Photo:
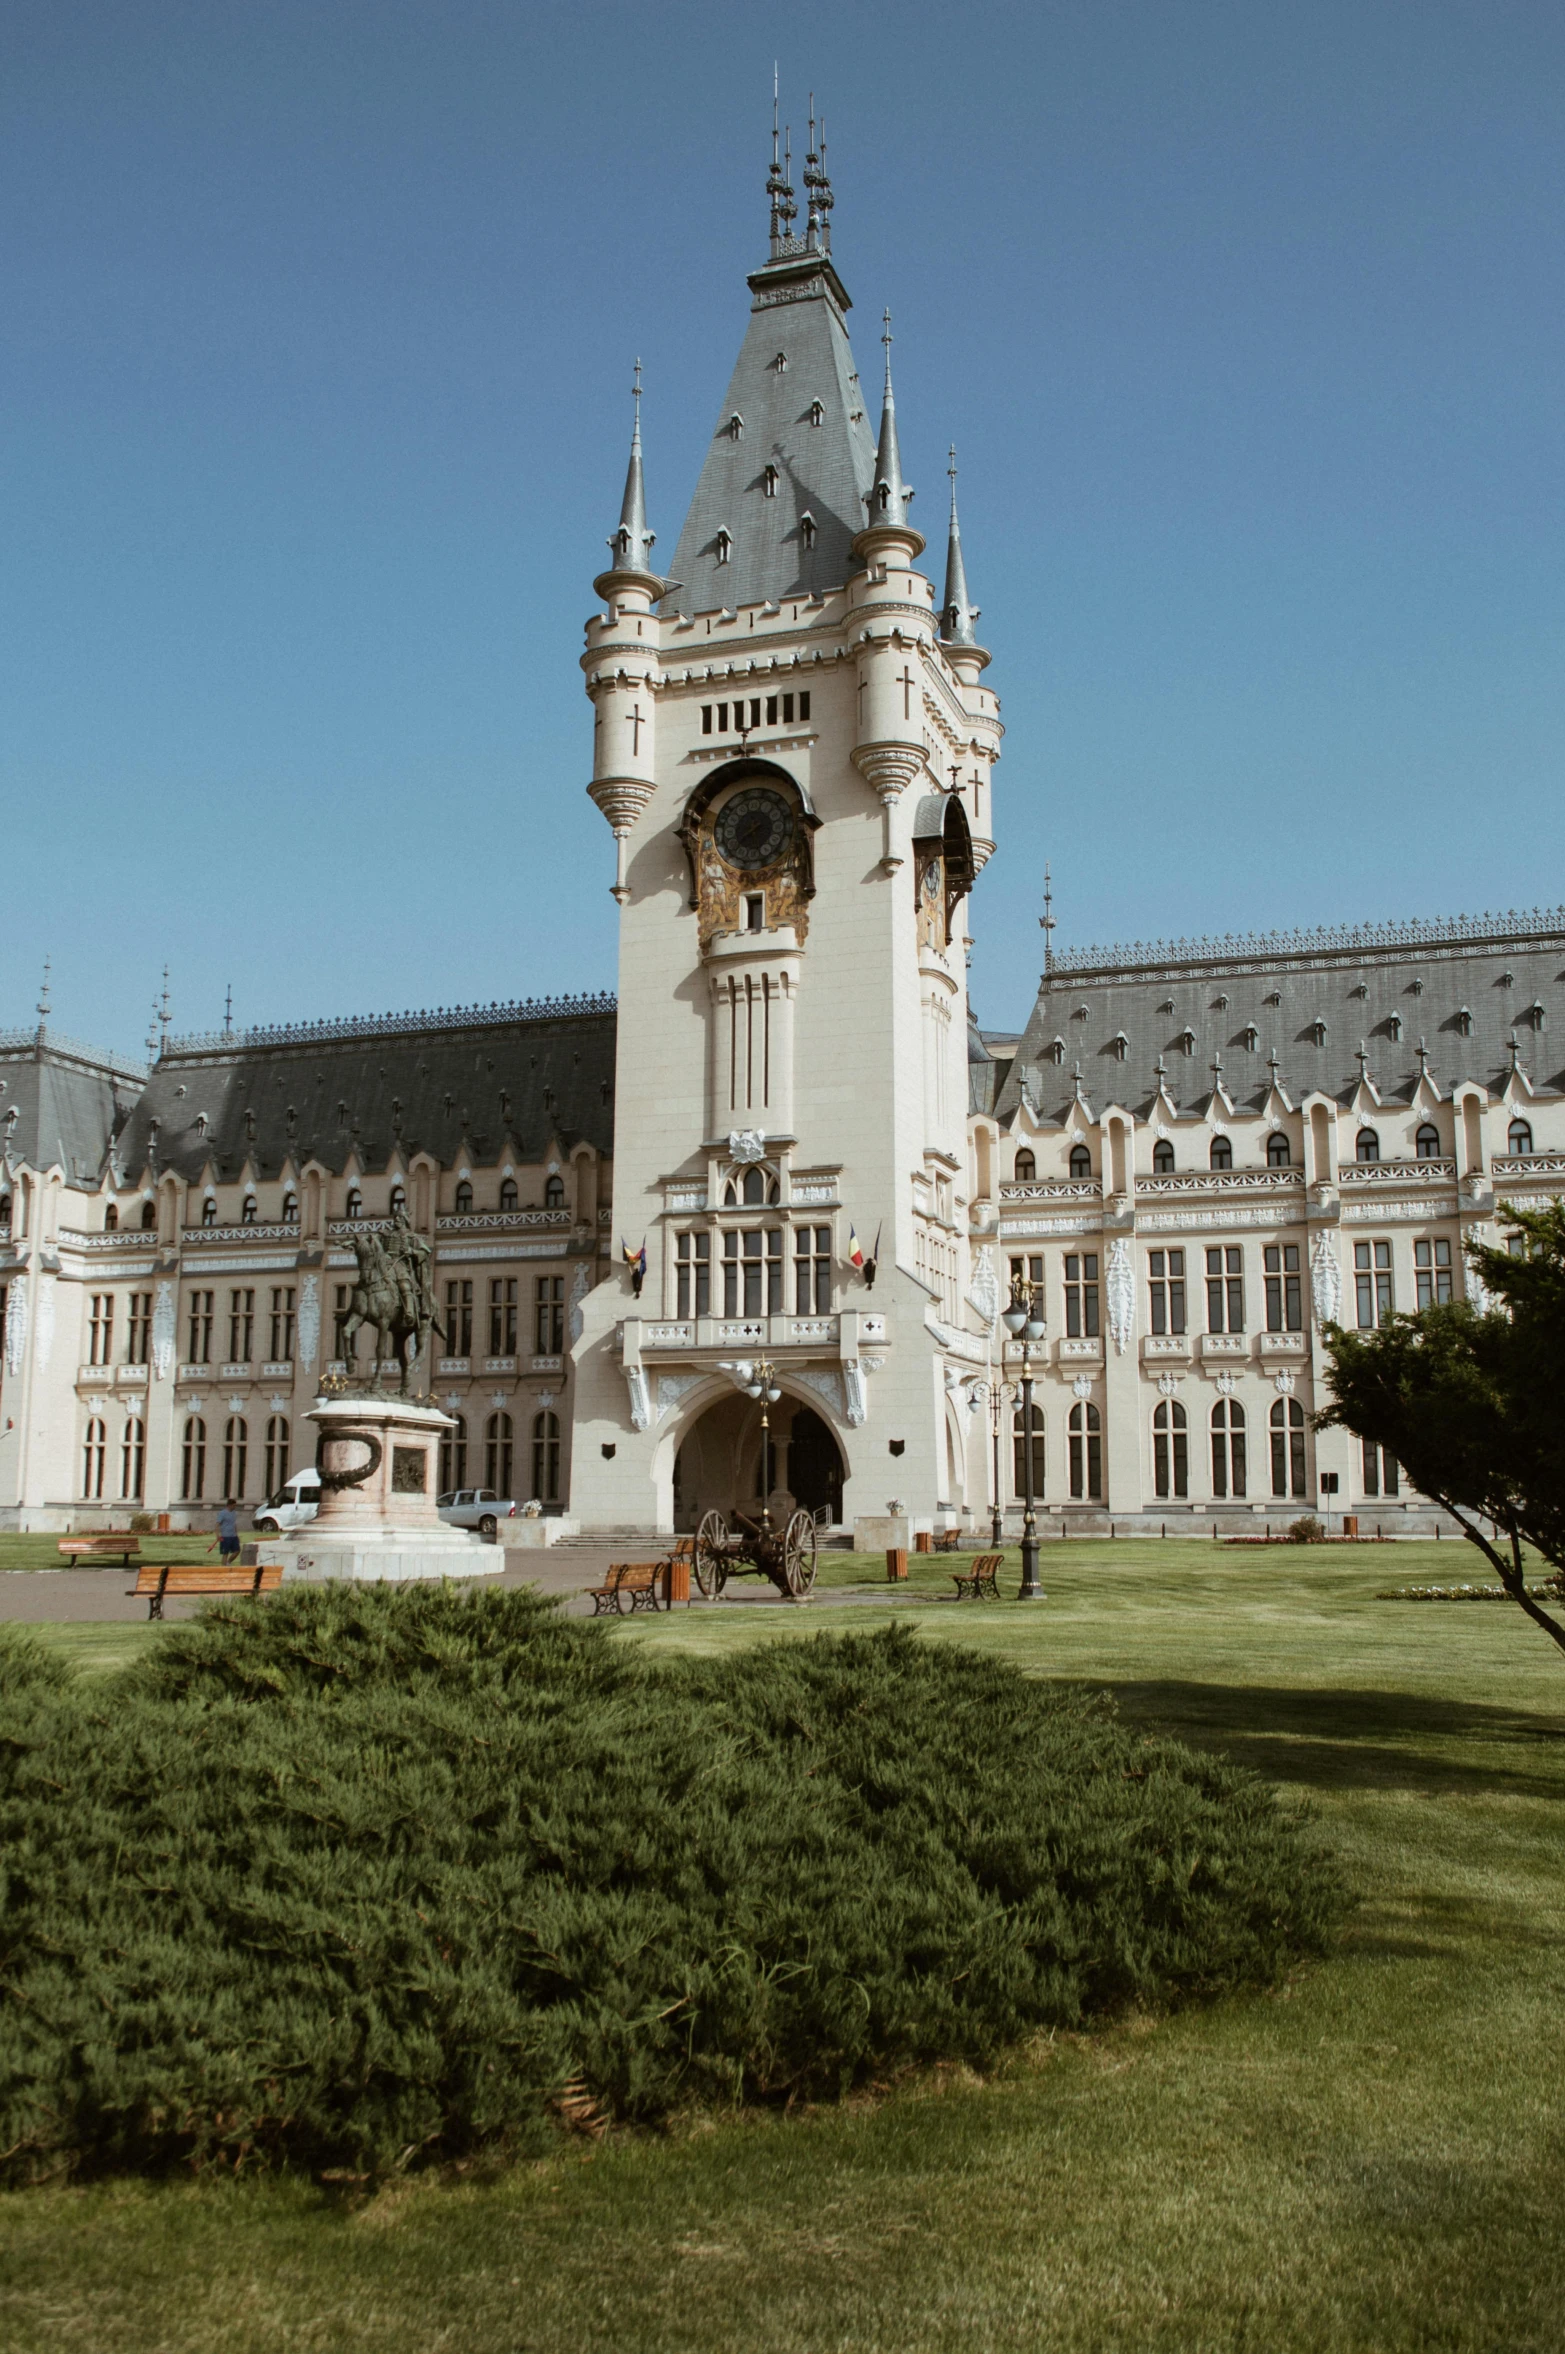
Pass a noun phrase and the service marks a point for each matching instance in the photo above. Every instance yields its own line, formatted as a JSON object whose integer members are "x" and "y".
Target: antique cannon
{"x": 754, "y": 1548}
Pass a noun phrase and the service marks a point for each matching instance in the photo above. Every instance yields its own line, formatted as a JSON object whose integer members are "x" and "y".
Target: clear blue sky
{"x": 1246, "y": 320}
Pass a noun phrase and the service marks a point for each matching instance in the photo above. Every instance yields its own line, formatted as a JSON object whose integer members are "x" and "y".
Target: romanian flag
{"x": 855, "y": 1247}
{"x": 636, "y": 1261}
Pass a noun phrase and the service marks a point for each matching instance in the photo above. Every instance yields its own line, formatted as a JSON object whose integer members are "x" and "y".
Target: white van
{"x": 296, "y": 1501}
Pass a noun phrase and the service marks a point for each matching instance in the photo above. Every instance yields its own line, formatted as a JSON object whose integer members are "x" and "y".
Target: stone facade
{"x": 1193, "y": 1155}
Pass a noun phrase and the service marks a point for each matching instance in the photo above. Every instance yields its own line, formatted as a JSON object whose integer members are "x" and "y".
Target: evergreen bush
{"x": 357, "y": 1877}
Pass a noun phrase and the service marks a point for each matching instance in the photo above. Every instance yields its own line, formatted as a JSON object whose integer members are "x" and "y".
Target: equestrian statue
{"x": 395, "y": 1294}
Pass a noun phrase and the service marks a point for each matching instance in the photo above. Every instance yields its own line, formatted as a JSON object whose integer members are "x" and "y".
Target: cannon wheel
{"x": 799, "y": 1554}
{"x": 709, "y": 1555}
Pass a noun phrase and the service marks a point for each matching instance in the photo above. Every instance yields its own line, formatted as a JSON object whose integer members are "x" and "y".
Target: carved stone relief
{"x": 1325, "y": 1280}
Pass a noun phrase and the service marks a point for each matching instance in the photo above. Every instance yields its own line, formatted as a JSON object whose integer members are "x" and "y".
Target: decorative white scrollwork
{"x": 1082, "y": 1385}
{"x": 746, "y": 1145}
{"x": 984, "y": 1291}
{"x": 674, "y": 1386}
{"x": 1228, "y": 1383}
{"x": 578, "y": 1294}
{"x": 1325, "y": 1280}
{"x": 853, "y": 1382}
{"x": 640, "y": 1399}
{"x": 1121, "y": 1285}
{"x": 824, "y": 1384}
{"x": 1283, "y": 1383}
{"x": 1168, "y": 1383}
{"x": 309, "y": 1319}
{"x": 15, "y": 1324}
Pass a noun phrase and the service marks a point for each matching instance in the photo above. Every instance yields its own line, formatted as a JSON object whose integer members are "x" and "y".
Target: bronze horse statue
{"x": 395, "y": 1295}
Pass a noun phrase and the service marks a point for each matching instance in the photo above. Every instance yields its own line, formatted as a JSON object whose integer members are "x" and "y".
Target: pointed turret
{"x": 956, "y": 614}
{"x": 889, "y": 494}
{"x": 631, "y": 546}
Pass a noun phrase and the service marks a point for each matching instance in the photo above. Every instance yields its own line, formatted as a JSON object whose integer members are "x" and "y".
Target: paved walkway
{"x": 53, "y": 1596}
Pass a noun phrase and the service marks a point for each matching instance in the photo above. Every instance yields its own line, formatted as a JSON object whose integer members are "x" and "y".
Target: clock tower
{"x": 793, "y": 748}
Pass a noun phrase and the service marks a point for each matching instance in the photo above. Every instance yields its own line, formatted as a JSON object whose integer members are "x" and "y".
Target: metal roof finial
{"x": 1046, "y": 920}
{"x": 777, "y": 188}
{"x": 631, "y": 546}
{"x": 956, "y": 614}
{"x": 228, "y": 1012}
{"x": 888, "y": 501}
{"x": 43, "y": 995}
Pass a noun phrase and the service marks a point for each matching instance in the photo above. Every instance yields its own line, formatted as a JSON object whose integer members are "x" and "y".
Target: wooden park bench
{"x": 158, "y": 1579}
{"x": 979, "y": 1577}
{"x": 947, "y": 1540}
{"x": 109, "y": 1545}
{"x": 637, "y": 1579}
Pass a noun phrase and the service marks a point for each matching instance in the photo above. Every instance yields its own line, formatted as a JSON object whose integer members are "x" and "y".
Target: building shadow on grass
{"x": 1336, "y": 1739}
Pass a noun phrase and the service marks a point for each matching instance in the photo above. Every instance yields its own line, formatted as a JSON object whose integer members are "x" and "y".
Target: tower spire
{"x": 631, "y": 546}
{"x": 888, "y": 500}
{"x": 956, "y": 614}
{"x": 43, "y": 997}
{"x": 778, "y": 190}
{"x": 1047, "y": 921}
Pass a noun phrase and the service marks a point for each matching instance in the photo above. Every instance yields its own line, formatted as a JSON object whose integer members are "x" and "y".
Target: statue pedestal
{"x": 381, "y": 1524}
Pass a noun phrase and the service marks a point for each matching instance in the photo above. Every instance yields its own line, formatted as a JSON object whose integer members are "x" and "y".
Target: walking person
{"x": 228, "y": 1534}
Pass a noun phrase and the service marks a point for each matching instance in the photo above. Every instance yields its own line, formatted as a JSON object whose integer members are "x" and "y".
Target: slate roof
{"x": 824, "y": 470}
{"x": 70, "y": 1102}
{"x": 1386, "y": 987}
{"x": 481, "y": 1084}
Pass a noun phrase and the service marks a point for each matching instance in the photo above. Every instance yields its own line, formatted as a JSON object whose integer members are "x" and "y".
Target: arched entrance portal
{"x": 719, "y": 1462}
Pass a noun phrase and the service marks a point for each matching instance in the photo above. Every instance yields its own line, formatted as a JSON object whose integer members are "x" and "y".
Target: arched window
{"x": 725, "y": 545}
{"x": 1287, "y": 1435}
{"x": 1222, "y": 1155}
{"x": 1520, "y": 1139}
{"x": 554, "y": 1194}
{"x": 1171, "y": 1449}
{"x": 464, "y": 1198}
{"x": 276, "y": 1453}
{"x": 1279, "y": 1153}
{"x": 453, "y": 1457}
{"x": 497, "y": 1454}
{"x": 1019, "y": 1464}
{"x": 1464, "y": 1021}
{"x": 5, "y": 1209}
{"x": 250, "y": 1210}
{"x": 546, "y": 1458}
{"x": 1228, "y": 1470}
{"x": 193, "y": 1484}
{"x": 236, "y": 1456}
{"x": 807, "y": 528}
{"x": 111, "y": 1220}
{"x": 759, "y": 1186}
{"x": 399, "y": 1199}
{"x": 1081, "y": 1161}
{"x": 353, "y": 1207}
{"x": 1427, "y": 1142}
{"x": 290, "y": 1209}
{"x": 149, "y": 1216}
{"x": 769, "y": 480}
{"x": 133, "y": 1460}
{"x": 1086, "y": 1452}
{"x": 209, "y": 1211}
{"x": 1162, "y": 1158}
{"x": 93, "y": 1452}
{"x": 1368, "y": 1146}
{"x": 817, "y": 413}
{"x": 1026, "y": 1168}
{"x": 508, "y": 1193}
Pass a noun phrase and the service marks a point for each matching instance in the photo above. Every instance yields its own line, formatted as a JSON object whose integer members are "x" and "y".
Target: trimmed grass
{"x": 1368, "y": 2160}
{"x": 42, "y": 1551}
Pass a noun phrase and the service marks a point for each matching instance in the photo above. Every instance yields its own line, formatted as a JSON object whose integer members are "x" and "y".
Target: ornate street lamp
{"x": 762, "y": 1384}
{"x": 1000, "y": 1394}
{"x": 1025, "y": 1325}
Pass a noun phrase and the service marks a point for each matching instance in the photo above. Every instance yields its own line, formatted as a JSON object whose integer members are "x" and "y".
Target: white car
{"x": 478, "y": 1508}
{"x": 296, "y": 1501}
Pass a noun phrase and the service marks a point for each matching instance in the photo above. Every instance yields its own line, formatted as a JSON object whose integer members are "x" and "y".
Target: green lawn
{"x": 43, "y": 1551}
{"x": 1369, "y": 2158}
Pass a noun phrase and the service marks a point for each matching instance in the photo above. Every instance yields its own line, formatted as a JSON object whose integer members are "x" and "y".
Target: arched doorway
{"x": 719, "y": 1464}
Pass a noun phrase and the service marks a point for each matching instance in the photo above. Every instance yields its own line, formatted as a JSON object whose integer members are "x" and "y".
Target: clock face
{"x": 754, "y": 828}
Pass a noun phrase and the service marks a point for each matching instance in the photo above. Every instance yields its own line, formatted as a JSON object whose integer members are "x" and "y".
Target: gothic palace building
{"x": 1194, "y": 1153}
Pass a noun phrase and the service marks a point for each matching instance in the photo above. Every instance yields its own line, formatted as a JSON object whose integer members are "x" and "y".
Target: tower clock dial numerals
{"x": 754, "y": 828}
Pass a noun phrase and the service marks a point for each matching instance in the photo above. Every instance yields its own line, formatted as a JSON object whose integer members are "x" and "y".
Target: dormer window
{"x": 1056, "y": 1051}
{"x": 149, "y": 1215}
{"x": 249, "y": 1211}
{"x": 209, "y": 1211}
{"x": 769, "y": 482}
{"x": 290, "y": 1209}
{"x": 1119, "y": 1046}
{"x": 1186, "y": 1042}
{"x": 1026, "y": 1168}
{"x": 1427, "y": 1142}
{"x": 1317, "y": 1031}
{"x": 1535, "y": 1015}
{"x": 399, "y": 1199}
{"x": 353, "y": 1207}
{"x": 5, "y": 1209}
{"x": 781, "y": 362}
{"x": 1278, "y": 1151}
{"x": 1162, "y": 1158}
{"x": 735, "y": 426}
{"x": 1393, "y": 1025}
{"x": 1272, "y": 997}
{"x": 807, "y": 528}
{"x": 1368, "y": 1146}
{"x": 1520, "y": 1138}
{"x": 111, "y": 1220}
{"x": 508, "y": 1193}
{"x": 817, "y": 413}
{"x": 1250, "y": 1036}
{"x": 1080, "y": 1161}
{"x": 725, "y": 546}
{"x": 1464, "y": 1021}
{"x": 201, "y": 1123}
{"x": 554, "y": 1194}
{"x": 464, "y": 1198}
{"x": 1222, "y": 1153}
